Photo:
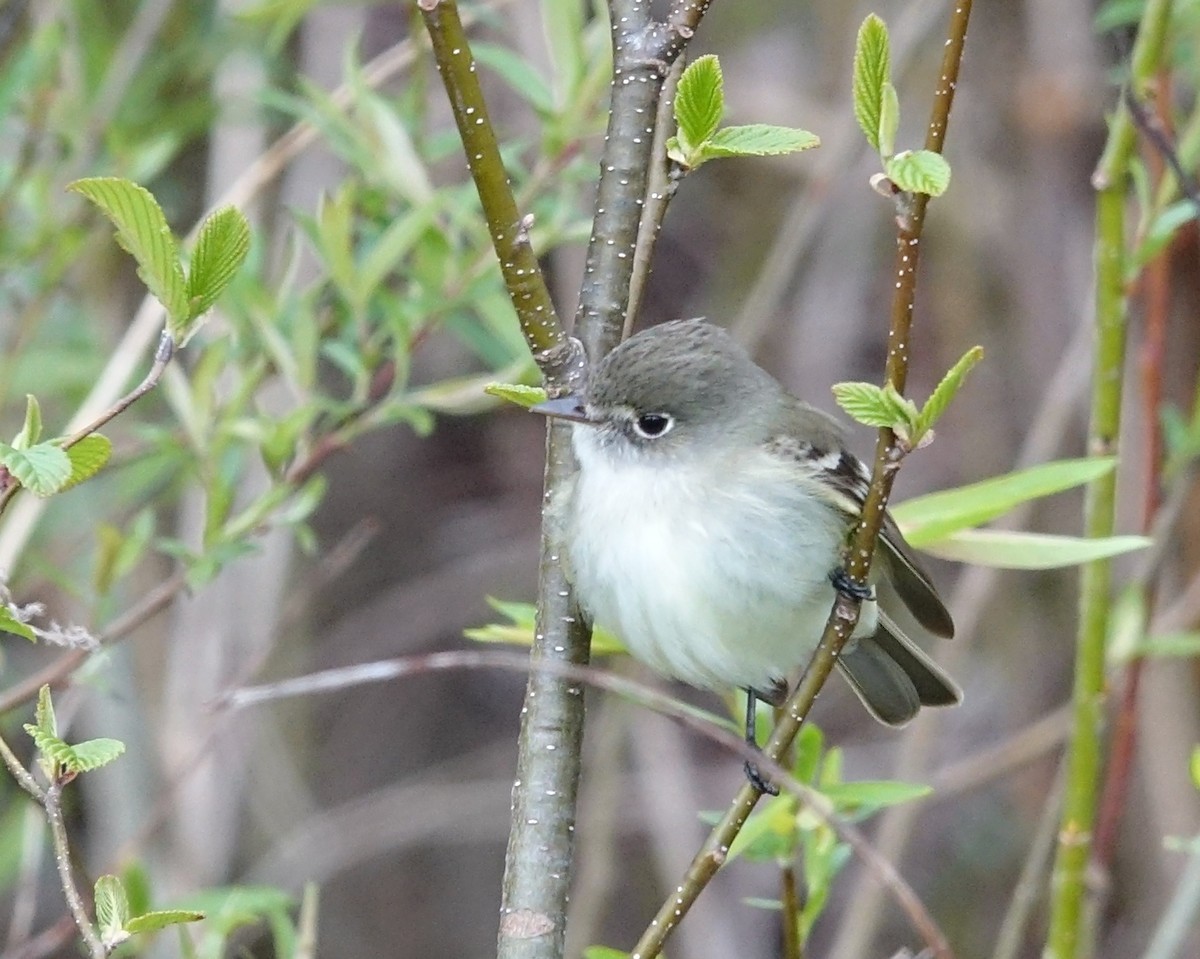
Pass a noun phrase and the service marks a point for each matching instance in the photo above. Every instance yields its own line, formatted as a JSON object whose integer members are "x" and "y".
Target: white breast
{"x": 716, "y": 574}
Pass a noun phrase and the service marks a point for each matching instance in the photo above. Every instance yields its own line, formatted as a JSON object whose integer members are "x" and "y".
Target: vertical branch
{"x": 1066, "y": 938}
{"x": 540, "y": 849}
{"x": 843, "y": 617}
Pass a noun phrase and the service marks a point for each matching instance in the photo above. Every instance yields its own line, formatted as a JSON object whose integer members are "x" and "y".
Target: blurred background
{"x": 342, "y": 376}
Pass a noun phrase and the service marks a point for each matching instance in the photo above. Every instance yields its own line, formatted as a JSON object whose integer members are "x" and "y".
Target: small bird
{"x": 708, "y": 521}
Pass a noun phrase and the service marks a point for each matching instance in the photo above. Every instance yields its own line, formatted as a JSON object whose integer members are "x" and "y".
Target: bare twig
{"x": 62, "y": 857}
{"x": 349, "y": 677}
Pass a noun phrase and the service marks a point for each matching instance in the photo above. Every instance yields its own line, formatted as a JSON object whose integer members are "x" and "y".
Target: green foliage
{"x": 1194, "y": 767}
{"x": 877, "y": 109}
{"x": 519, "y": 630}
{"x": 884, "y": 407}
{"x": 785, "y": 829}
{"x": 525, "y": 396}
{"x": 43, "y": 468}
{"x": 699, "y": 106}
{"x": 872, "y": 73}
{"x": 10, "y": 624}
{"x": 221, "y": 248}
{"x": 1005, "y": 549}
{"x": 58, "y": 758}
{"x": 604, "y": 952}
{"x": 116, "y": 922}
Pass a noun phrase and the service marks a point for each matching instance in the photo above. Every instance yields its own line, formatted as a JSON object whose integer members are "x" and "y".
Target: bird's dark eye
{"x": 653, "y": 425}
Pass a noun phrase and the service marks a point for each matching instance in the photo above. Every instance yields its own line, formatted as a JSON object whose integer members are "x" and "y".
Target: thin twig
{"x": 844, "y": 615}
{"x": 1067, "y": 937}
{"x": 62, "y": 858}
{"x": 350, "y": 677}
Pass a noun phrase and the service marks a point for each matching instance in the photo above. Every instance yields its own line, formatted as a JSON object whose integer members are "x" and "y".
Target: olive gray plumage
{"x": 709, "y": 511}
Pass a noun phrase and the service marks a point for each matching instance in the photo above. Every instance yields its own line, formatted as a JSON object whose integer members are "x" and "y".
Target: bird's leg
{"x": 752, "y": 772}
{"x": 849, "y": 588}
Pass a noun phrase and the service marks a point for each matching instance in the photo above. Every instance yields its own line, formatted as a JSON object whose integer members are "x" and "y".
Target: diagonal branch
{"x": 844, "y": 615}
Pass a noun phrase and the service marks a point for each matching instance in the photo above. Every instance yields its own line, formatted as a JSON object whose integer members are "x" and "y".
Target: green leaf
{"x": 520, "y": 633}
{"x": 769, "y": 833}
{"x": 699, "y": 101}
{"x": 948, "y": 388}
{"x": 604, "y": 952}
{"x": 87, "y": 457}
{"x": 221, "y": 249}
{"x": 44, "y": 713}
{"x": 872, "y": 69}
{"x": 161, "y": 918}
{"x": 1126, "y": 625}
{"x": 1184, "y": 645}
{"x": 1161, "y": 230}
{"x": 31, "y": 430}
{"x": 866, "y": 403}
{"x": 43, "y": 468}
{"x": 1004, "y": 549}
{"x": 889, "y": 121}
{"x": 525, "y": 396}
{"x": 142, "y": 231}
{"x": 518, "y": 73}
{"x": 112, "y": 910}
{"x": 919, "y": 171}
{"x": 757, "y": 139}
{"x": 10, "y": 624}
{"x": 928, "y": 518}
{"x": 92, "y": 754}
{"x": 879, "y": 406}
{"x": 1194, "y": 767}
{"x": 867, "y": 797}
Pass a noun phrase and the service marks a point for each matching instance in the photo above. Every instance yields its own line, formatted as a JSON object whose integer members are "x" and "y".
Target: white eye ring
{"x": 651, "y": 426}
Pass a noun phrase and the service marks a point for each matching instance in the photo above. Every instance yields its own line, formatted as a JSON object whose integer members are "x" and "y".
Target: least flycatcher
{"x": 707, "y": 519}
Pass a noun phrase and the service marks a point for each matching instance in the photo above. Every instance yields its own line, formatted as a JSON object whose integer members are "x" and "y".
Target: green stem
{"x": 1067, "y": 938}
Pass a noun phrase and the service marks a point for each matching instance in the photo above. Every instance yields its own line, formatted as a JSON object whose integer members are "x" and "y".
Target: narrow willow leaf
{"x": 221, "y": 248}
{"x": 699, "y": 101}
{"x": 760, "y": 837}
{"x": 604, "y": 952}
{"x": 10, "y": 624}
{"x": 142, "y": 230}
{"x": 161, "y": 918}
{"x": 520, "y": 632}
{"x": 1126, "y": 625}
{"x": 93, "y": 753}
{"x": 1161, "y": 230}
{"x": 31, "y": 429}
{"x": 889, "y": 121}
{"x": 919, "y": 171}
{"x": 1004, "y": 549}
{"x": 518, "y": 73}
{"x": 856, "y": 797}
{"x": 1194, "y": 767}
{"x": 872, "y": 68}
{"x": 112, "y": 910}
{"x": 525, "y": 396}
{"x": 948, "y": 388}
{"x": 925, "y": 519}
{"x": 1168, "y": 646}
{"x": 42, "y": 469}
{"x": 866, "y": 403}
{"x": 87, "y": 457}
{"x": 757, "y": 139}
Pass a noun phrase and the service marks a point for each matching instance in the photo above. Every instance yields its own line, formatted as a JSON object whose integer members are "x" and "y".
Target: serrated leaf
{"x": 10, "y": 624}
{"x": 525, "y": 396}
{"x": 221, "y": 248}
{"x": 865, "y": 403}
{"x": 92, "y": 754}
{"x": 867, "y": 796}
{"x": 112, "y": 910}
{"x": 1005, "y": 549}
{"x": 948, "y": 388}
{"x": 889, "y": 120}
{"x": 42, "y": 469}
{"x": 31, "y": 429}
{"x": 757, "y": 139}
{"x": 928, "y": 518}
{"x": 44, "y": 713}
{"x": 161, "y": 918}
{"x": 699, "y": 101}
{"x": 919, "y": 171}
{"x": 87, "y": 458}
{"x": 872, "y": 69}
{"x": 143, "y": 232}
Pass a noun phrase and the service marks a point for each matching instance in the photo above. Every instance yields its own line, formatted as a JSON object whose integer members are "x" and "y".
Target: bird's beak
{"x": 569, "y": 407}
